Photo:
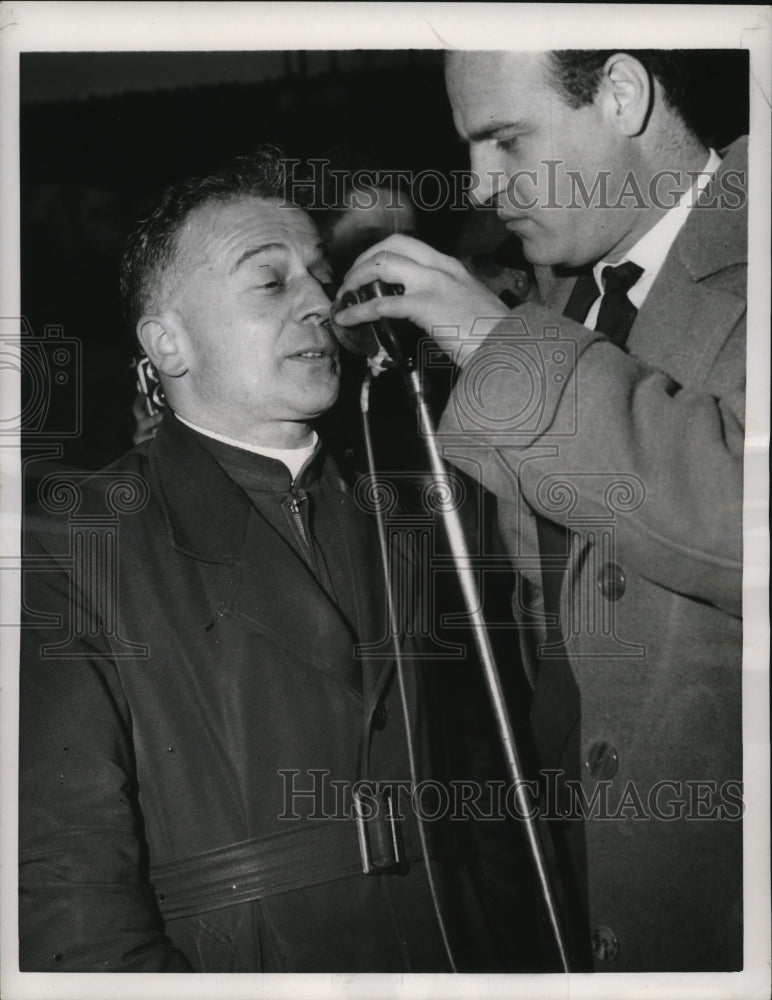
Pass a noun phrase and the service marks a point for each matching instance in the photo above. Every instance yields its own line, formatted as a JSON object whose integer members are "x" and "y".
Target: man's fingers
{"x": 400, "y": 247}
{"x": 392, "y": 268}
{"x": 392, "y": 306}
{"x": 406, "y": 246}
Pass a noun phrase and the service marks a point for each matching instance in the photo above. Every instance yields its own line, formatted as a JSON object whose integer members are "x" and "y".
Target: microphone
{"x": 379, "y": 339}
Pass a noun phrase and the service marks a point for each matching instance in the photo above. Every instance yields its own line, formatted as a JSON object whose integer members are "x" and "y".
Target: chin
{"x": 313, "y": 405}
{"x": 538, "y": 250}
{"x": 539, "y": 256}
{"x": 546, "y": 254}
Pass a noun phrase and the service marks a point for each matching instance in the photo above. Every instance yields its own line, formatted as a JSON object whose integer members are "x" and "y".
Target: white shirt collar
{"x": 653, "y": 247}
{"x": 293, "y": 458}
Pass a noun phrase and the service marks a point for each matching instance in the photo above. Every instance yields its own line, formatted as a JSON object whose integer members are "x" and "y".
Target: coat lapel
{"x": 685, "y": 320}
{"x": 211, "y": 519}
{"x": 683, "y": 324}
{"x": 206, "y": 512}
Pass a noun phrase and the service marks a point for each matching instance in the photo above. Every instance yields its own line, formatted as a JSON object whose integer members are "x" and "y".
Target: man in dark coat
{"x": 610, "y": 426}
{"x": 208, "y": 679}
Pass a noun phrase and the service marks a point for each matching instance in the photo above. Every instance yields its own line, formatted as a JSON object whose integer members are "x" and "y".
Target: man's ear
{"x": 625, "y": 94}
{"x": 164, "y": 340}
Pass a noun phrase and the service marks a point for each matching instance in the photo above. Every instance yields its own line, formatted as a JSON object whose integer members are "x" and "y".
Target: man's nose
{"x": 314, "y": 302}
{"x": 487, "y": 175}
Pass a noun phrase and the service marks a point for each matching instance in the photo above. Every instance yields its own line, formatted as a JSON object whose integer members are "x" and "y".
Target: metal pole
{"x": 470, "y": 590}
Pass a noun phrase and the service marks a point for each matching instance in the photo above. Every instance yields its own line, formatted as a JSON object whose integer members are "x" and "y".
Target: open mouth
{"x": 315, "y": 356}
{"x": 312, "y": 355}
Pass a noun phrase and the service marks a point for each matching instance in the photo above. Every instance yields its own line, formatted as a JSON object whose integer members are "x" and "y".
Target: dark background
{"x": 103, "y": 133}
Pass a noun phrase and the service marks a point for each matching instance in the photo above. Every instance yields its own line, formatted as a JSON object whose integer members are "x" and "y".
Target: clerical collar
{"x": 293, "y": 458}
{"x": 653, "y": 247}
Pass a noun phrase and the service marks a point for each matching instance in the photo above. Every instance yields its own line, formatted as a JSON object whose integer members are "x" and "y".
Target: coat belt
{"x": 311, "y": 854}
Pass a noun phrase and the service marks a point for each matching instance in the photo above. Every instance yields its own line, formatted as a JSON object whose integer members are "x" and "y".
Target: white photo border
{"x": 70, "y": 26}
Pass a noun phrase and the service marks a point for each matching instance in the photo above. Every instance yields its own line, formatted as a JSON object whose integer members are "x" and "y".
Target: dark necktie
{"x": 617, "y": 313}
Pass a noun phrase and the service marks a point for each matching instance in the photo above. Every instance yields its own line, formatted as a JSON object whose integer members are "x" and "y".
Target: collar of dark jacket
{"x": 206, "y": 511}
{"x": 258, "y": 472}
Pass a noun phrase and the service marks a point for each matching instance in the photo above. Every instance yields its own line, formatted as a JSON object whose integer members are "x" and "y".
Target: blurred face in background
{"x": 371, "y": 214}
{"x": 511, "y": 284}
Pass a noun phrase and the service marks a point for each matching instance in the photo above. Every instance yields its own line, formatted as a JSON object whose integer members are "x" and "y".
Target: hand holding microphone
{"x": 440, "y": 297}
{"x": 379, "y": 341}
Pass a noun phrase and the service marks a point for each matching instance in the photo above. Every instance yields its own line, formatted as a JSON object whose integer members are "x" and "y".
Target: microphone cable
{"x": 364, "y": 403}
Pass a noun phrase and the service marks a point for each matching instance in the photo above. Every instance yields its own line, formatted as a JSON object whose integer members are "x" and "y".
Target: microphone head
{"x": 366, "y": 339}
{"x": 362, "y": 339}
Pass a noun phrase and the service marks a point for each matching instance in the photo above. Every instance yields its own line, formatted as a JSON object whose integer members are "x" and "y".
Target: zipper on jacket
{"x": 293, "y": 502}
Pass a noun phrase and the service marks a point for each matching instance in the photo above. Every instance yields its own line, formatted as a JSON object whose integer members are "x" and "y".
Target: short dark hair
{"x": 151, "y": 249}
{"x": 576, "y": 74}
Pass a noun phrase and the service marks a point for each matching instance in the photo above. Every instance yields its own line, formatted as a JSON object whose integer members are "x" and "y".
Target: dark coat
{"x": 163, "y": 723}
{"x": 640, "y": 454}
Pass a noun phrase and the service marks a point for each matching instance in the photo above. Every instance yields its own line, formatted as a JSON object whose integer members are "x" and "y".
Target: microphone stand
{"x": 468, "y": 582}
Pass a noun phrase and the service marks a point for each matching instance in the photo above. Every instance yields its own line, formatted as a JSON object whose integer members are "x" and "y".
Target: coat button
{"x": 602, "y": 761}
{"x": 612, "y": 581}
{"x": 379, "y": 717}
{"x": 604, "y": 944}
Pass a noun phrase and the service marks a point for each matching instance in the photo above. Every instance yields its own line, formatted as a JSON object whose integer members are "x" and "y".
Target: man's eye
{"x": 507, "y": 145}
{"x": 270, "y": 285}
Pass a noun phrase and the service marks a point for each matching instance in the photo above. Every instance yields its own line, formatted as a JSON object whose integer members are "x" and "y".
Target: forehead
{"x": 219, "y": 232}
{"x": 488, "y": 86}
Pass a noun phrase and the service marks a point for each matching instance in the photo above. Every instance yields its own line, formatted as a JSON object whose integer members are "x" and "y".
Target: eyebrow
{"x": 254, "y": 251}
{"x": 251, "y": 252}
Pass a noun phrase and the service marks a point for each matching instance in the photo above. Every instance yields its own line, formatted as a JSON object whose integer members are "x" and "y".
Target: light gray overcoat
{"x": 640, "y": 454}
